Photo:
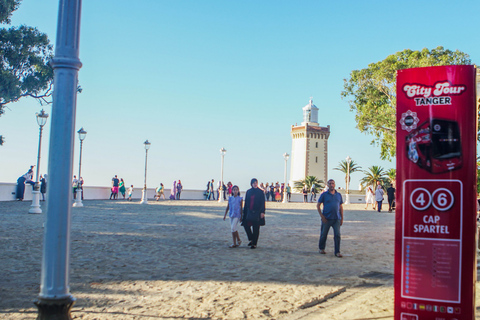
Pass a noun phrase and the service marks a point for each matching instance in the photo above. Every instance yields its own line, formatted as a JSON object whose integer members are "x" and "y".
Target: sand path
{"x": 170, "y": 260}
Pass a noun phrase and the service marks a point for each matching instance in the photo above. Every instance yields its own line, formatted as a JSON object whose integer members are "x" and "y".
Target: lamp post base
{"x": 347, "y": 198}
{"x": 144, "y": 197}
{"x": 54, "y": 309}
{"x": 220, "y": 197}
{"x": 78, "y": 200}
{"x": 285, "y": 197}
{"x": 35, "y": 207}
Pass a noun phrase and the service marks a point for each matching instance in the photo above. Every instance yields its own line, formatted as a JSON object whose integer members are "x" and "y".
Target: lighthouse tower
{"x": 309, "y": 147}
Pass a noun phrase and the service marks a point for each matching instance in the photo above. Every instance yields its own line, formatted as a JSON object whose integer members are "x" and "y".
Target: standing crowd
{"x": 271, "y": 192}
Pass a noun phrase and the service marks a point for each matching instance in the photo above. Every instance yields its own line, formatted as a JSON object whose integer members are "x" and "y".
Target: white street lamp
{"x": 35, "y": 207}
{"x": 285, "y": 156}
{"x": 220, "y": 194}
{"x": 347, "y": 196}
{"x": 78, "y": 201}
{"x": 144, "y": 191}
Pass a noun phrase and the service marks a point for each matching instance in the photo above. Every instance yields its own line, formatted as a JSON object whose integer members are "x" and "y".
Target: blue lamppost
{"x": 55, "y": 300}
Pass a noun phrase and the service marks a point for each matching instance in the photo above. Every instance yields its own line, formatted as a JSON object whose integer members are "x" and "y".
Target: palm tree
{"x": 343, "y": 166}
{"x": 308, "y": 181}
{"x": 372, "y": 175}
{"x": 392, "y": 174}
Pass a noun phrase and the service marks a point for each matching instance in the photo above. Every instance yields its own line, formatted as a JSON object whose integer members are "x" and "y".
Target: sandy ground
{"x": 170, "y": 260}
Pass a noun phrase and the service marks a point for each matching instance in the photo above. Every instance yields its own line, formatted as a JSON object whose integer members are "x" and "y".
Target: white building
{"x": 309, "y": 147}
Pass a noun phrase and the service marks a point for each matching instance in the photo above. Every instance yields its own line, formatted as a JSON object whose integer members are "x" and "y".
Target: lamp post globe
{"x": 78, "y": 198}
{"x": 42, "y": 117}
{"x": 144, "y": 191}
{"x": 347, "y": 195}
{"x": 221, "y": 191}
{"x": 285, "y": 156}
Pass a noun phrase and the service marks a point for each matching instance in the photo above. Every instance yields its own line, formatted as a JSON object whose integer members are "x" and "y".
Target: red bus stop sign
{"x": 435, "y": 219}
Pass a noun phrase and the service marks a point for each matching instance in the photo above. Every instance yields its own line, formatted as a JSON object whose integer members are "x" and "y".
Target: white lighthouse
{"x": 309, "y": 147}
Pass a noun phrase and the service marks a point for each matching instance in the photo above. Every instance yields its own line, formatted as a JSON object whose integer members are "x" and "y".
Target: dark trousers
{"x": 390, "y": 203}
{"x": 379, "y": 206}
{"x": 252, "y": 236}
{"x": 211, "y": 194}
{"x": 335, "y": 225}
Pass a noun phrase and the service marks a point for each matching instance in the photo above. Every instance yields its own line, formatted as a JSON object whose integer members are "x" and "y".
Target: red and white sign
{"x": 435, "y": 249}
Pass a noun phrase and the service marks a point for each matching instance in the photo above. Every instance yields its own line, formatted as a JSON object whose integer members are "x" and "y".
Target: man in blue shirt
{"x": 332, "y": 216}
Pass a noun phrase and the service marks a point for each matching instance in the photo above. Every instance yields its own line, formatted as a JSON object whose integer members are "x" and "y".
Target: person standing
{"x": 305, "y": 194}
{"x": 179, "y": 190}
{"x": 80, "y": 186}
{"x": 391, "y": 196}
{"x": 289, "y": 192}
{"x": 253, "y": 213}
{"x": 267, "y": 191}
{"x": 173, "y": 191}
{"x": 74, "y": 187}
{"x": 122, "y": 188}
{"x": 130, "y": 193}
{"x": 272, "y": 192}
{"x": 332, "y": 217}
{"x": 115, "y": 183}
{"x": 43, "y": 186}
{"x": 379, "y": 197}
{"x": 313, "y": 193}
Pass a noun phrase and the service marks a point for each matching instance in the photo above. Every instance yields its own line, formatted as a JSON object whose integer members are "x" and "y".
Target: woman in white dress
{"x": 369, "y": 197}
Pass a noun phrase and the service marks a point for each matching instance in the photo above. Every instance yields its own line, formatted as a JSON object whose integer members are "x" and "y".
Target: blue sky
{"x": 196, "y": 76}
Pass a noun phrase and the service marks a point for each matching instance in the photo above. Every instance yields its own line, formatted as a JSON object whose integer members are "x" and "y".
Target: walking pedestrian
{"x": 160, "y": 192}
{"x": 369, "y": 198}
{"x": 253, "y": 213}
{"x": 391, "y": 196}
{"x": 234, "y": 209}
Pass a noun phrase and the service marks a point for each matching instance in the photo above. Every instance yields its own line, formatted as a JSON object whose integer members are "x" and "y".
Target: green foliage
{"x": 372, "y": 91}
{"x": 344, "y": 167}
{"x": 308, "y": 181}
{"x": 372, "y": 175}
{"x": 25, "y": 53}
{"x": 6, "y": 9}
{"x": 24, "y": 70}
{"x": 392, "y": 174}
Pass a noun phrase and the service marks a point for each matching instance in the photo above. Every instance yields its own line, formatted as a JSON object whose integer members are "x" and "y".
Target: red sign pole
{"x": 435, "y": 221}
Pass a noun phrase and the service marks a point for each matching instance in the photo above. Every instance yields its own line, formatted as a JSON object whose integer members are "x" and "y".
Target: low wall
{"x": 7, "y": 193}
